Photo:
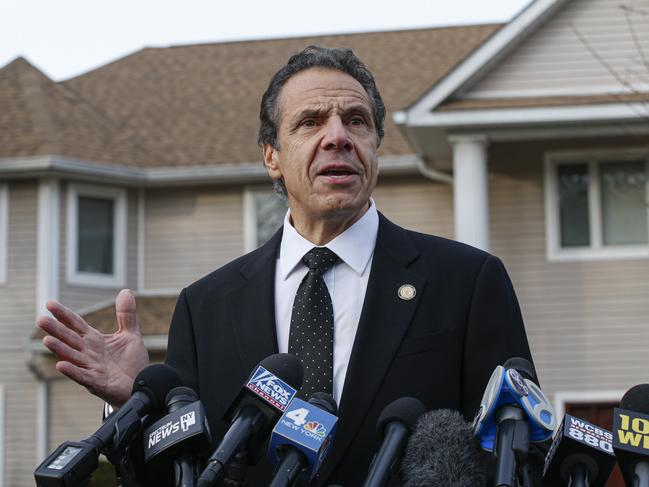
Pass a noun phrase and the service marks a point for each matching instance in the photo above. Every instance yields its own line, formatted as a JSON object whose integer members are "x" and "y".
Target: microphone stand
{"x": 512, "y": 442}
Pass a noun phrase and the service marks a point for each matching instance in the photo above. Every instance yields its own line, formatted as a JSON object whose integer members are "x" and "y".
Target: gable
{"x": 588, "y": 47}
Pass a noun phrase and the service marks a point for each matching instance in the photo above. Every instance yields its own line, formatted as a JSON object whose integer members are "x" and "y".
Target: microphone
{"x": 263, "y": 398}
{"x": 514, "y": 411}
{"x": 302, "y": 438}
{"x": 182, "y": 436}
{"x": 581, "y": 455}
{"x": 631, "y": 435}
{"x": 394, "y": 426}
{"x": 443, "y": 451}
{"x": 73, "y": 462}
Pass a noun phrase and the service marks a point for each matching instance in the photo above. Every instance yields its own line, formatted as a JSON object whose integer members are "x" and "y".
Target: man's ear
{"x": 271, "y": 157}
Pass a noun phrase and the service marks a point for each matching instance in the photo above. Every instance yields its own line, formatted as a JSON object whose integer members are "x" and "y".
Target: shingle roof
{"x": 39, "y": 117}
{"x": 198, "y": 104}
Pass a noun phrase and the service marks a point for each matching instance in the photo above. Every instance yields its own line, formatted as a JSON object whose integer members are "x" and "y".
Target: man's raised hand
{"x": 106, "y": 364}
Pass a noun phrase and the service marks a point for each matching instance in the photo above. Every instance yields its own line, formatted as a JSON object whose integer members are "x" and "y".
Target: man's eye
{"x": 309, "y": 122}
{"x": 358, "y": 121}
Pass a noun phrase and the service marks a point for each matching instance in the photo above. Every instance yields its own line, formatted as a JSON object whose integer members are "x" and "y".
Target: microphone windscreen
{"x": 636, "y": 399}
{"x": 156, "y": 381}
{"x": 324, "y": 401}
{"x": 443, "y": 451}
{"x": 286, "y": 366}
{"x": 406, "y": 410}
{"x": 522, "y": 366}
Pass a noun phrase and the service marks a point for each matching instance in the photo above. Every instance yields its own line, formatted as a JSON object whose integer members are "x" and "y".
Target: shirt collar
{"x": 354, "y": 246}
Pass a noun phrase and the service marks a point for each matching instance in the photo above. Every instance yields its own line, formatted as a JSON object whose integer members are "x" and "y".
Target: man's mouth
{"x": 337, "y": 172}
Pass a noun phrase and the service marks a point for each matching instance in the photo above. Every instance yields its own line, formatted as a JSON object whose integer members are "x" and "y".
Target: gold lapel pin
{"x": 407, "y": 292}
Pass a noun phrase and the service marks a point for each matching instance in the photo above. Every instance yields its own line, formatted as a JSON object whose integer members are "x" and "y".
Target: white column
{"x": 47, "y": 268}
{"x": 471, "y": 190}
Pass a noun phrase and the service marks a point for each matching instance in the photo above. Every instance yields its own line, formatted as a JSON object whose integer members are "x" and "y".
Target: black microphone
{"x": 443, "y": 451}
{"x": 71, "y": 462}
{"x": 255, "y": 410}
{"x": 394, "y": 426}
{"x": 297, "y": 447}
{"x": 581, "y": 455}
{"x": 181, "y": 437}
{"x": 631, "y": 435}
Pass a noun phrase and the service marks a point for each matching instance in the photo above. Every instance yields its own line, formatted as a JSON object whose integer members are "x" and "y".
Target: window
{"x": 597, "y": 205}
{"x": 4, "y": 231}
{"x": 264, "y": 213}
{"x": 96, "y": 224}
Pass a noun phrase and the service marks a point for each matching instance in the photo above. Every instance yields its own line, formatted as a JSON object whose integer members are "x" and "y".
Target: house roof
{"x": 198, "y": 104}
{"x": 38, "y": 117}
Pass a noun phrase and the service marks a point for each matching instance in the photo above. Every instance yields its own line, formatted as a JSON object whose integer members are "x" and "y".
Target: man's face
{"x": 327, "y": 146}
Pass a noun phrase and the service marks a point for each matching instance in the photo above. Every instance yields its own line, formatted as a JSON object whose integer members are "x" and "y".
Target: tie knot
{"x": 320, "y": 259}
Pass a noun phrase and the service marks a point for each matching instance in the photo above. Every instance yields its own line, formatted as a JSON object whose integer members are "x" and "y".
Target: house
{"x": 530, "y": 140}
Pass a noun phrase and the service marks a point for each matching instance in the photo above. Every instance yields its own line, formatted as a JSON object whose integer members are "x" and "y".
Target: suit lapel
{"x": 384, "y": 320}
{"x": 252, "y": 306}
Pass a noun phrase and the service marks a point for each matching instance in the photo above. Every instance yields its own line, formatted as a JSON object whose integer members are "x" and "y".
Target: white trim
{"x": 249, "y": 219}
{"x": 118, "y": 277}
{"x": 3, "y": 450}
{"x": 485, "y": 56}
{"x": 4, "y": 232}
{"x": 47, "y": 238}
{"x": 141, "y": 243}
{"x": 561, "y": 398}
{"x": 95, "y": 171}
{"x": 596, "y": 251}
{"x": 609, "y": 112}
{"x": 42, "y": 419}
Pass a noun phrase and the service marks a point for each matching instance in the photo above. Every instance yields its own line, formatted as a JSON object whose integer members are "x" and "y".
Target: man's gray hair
{"x": 343, "y": 60}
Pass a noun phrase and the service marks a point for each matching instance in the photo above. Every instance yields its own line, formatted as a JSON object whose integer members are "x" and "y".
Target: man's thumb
{"x": 126, "y": 311}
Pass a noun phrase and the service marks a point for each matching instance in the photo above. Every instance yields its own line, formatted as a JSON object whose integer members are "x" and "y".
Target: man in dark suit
{"x": 413, "y": 315}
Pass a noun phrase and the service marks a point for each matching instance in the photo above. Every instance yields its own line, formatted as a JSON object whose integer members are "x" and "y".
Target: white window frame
{"x": 561, "y": 398}
{"x": 93, "y": 279}
{"x": 250, "y": 215}
{"x": 597, "y": 250}
{"x": 4, "y": 232}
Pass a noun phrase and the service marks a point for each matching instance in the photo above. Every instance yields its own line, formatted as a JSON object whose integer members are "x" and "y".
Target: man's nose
{"x": 336, "y": 136}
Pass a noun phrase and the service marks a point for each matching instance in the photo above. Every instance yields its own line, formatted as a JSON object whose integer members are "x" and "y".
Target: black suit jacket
{"x": 440, "y": 347}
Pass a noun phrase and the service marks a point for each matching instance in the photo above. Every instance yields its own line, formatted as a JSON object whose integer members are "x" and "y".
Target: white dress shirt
{"x": 346, "y": 282}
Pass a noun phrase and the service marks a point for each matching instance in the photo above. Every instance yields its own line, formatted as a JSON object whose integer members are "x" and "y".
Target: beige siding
{"x": 17, "y": 301}
{"x": 74, "y": 412}
{"x": 78, "y": 297}
{"x": 588, "y": 322}
{"x": 417, "y": 204}
{"x": 554, "y": 60}
{"x": 190, "y": 232}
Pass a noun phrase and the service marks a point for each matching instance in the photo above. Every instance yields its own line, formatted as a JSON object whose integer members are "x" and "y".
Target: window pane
{"x": 624, "y": 205}
{"x": 95, "y": 235}
{"x": 270, "y": 210}
{"x": 573, "y": 205}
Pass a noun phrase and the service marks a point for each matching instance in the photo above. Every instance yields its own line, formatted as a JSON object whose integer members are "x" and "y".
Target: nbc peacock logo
{"x": 315, "y": 428}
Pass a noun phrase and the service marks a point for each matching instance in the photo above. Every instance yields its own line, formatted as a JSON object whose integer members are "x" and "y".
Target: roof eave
{"x": 485, "y": 56}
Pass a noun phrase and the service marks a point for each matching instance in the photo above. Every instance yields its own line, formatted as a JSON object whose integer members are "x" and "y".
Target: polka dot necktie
{"x": 311, "y": 338}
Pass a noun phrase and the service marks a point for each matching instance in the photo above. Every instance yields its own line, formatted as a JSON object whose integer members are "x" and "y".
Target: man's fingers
{"x": 60, "y": 331}
{"x": 64, "y": 352}
{"x": 68, "y": 317}
{"x": 126, "y": 311}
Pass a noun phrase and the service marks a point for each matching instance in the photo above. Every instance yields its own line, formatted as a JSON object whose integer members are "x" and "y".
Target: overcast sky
{"x": 65, "y": 38}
